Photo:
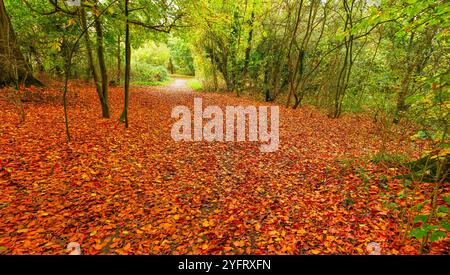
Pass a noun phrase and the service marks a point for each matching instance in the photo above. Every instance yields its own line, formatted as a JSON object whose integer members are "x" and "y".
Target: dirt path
{"x": 179, "y": 84}
{"x": 137, "y": 191}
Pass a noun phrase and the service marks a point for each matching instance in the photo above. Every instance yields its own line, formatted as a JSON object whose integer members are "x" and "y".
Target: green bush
{"x": 142, "y": 72}
{"x": 195, "y": 84}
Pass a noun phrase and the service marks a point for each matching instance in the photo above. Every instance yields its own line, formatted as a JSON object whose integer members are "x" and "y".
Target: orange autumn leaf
{"x": 98, "y": 246}
{"x": 127, "y": 247}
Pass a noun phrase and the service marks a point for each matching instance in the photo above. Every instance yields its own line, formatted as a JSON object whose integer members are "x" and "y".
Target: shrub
{"x": 195, "y": 85}
{"x": 148, "y": 73}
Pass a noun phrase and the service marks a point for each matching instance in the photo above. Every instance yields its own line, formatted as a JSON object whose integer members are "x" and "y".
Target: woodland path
{"x": 179, "y": 83}
{"x": 137, "y": 191}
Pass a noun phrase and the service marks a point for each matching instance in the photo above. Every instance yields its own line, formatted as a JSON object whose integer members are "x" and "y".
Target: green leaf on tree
{"x": 443, "y": 209}
{"x": 418, "y": 233}
{"x": 446, "y": 225}
{"x": 422, "y": 218}
{"x": 447, "y": 199}
{"x": 437, "y": 235}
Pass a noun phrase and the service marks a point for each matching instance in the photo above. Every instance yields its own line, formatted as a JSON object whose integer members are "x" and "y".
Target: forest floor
{"x": 137, "y": 191}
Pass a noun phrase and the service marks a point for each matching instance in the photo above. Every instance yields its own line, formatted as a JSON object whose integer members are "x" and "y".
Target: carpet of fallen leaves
{"x": 136, "y": 191}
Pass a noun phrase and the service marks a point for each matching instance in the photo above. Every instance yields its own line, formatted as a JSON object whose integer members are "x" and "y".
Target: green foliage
{"x": 149, "y": 64}
{"x": 431, "y": 107}
{"x": 446, "y": 225}
{"x": 427, "y": 167}
{"x": 195, "y": 84}
{"x": 45, "y": 40}
{"x": 447, "y": 200}
{"x": 146, "y": 73}
{"x": 421, "y": 218}
{"x": 435, "y": 229}
{"x": 152, "y": 53}
{"x": 383, "y": 157}
{"x": 181, "y": 56}
{"x": 383, "y": 181}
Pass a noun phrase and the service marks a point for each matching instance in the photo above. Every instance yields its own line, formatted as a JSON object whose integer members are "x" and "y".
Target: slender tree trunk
{"x": 292, "y": 72}
{"x": 299, "y": 96}
{"x": 276, "y": 71}
{"x": 171, "y": 67}
{"x": 266, "y": 85}
{"x": 214, "y": 71}
{"x": 345, "y": 72}
{"x": 124, "y": 117}
{"x": 102, "y": 65}
{"x": 404, "y": 89}
{"x": 248, "y": 50}
{"x": 226, "y": 73}
{"x": 235, "y": 42}
{"x": 92, "y": 68}
{"x": 66, "y": 115}
{"x": 14, "y": 69}
{"x": 119, "y": 61}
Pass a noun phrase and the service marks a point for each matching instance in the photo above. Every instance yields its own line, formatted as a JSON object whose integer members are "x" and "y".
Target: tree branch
{"x": 161, "y": 27}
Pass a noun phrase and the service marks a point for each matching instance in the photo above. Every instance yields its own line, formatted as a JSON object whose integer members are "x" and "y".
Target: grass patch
{"x": 152, "y": 83}
{"x": 383, "y": 157}
{"x": 195, "y": 84}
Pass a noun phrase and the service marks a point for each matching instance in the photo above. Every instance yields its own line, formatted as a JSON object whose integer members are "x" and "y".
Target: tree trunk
{"x": 404, "y": 93}
{"x": 268, "y": 98}
{"x": 171, "y": 66}
{"x": 223, "y": 67}
{"x": 346, "y": 70}
{"x": 90, "y": 56}
{"x": 298, "y": 95}
{"x": 124, "y": 116}
{"x": 404, "y": 89}
{"x": 248, "y": 50}
{"x": 14, "y": 70}
{"x": 119, "y": 61}
{"x": 214, "y": 71}
{"x": 102, "y": 64}
{"x": 292, "y": 70}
